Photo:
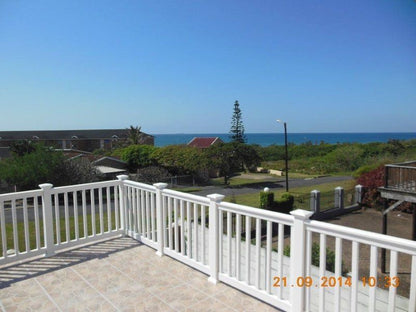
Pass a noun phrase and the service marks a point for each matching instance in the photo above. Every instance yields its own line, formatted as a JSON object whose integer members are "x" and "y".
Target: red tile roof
{"x": 204, "y": 142}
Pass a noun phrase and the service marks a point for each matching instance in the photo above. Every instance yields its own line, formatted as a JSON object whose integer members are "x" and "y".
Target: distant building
{"x": 85, "y": 140}
{"x": 204, "y": 142}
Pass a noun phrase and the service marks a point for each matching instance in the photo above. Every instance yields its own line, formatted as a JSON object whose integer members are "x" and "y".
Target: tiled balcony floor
{"x": 115, "y": 275}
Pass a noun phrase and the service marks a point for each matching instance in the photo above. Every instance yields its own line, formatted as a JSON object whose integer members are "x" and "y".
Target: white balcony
{"x": 165, "y": 250}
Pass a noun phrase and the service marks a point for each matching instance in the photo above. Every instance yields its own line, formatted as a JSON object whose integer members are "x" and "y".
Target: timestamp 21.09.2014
{"x": 332, "y": 281}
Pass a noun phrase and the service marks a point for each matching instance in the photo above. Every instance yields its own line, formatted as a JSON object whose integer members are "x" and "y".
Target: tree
{"x": 181, "y": 159}
{"x": 21, "y": 148}
{"x": 232, "y": 157}
{"x": 137, "y": 156}
{"x": 44, "y": 165}
{"x": 237, "y": 127}
{"x": 223, "y": 157}
{"x": 247, "y": 156}
{"x": 135, "y": 135}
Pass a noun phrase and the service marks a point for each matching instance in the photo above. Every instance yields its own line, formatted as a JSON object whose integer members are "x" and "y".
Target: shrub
{"x": 266, "y": 200}
{"x": 137, "y": 156}
{"x": 372, "y": 181}
{"x": 151, "y": 174}
{"x": 44, "y": 165}
{"x": 330, "y": 258}
{"x": 285, "y": 203}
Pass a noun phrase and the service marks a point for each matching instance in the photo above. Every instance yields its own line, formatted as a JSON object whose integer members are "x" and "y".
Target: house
{"x": 86, "y": 140}
{"x": 110, "y": 167}
{"x": 201, "y": 142}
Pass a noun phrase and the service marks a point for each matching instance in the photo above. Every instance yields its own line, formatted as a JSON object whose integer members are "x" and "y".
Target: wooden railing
{"x": 401, "y": 176}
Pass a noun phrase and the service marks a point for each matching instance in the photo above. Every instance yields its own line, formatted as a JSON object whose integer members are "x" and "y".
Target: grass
{"x": 301, "y": 194}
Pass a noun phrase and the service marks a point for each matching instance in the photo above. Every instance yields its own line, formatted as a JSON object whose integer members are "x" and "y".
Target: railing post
{"x": 123, "y": 202}
{"x": 339, "y": 198}
{"x": 358, "y": 197}
{"x": 298, "y": 258}
{"x": 315, "y": 201}
{"x": 160, "y": 218}
{"x": 48, "y": 218}
{"x": 215, "y": 199}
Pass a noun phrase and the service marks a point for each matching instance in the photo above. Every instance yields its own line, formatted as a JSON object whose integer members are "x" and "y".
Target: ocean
{"x": 266, "y": 139}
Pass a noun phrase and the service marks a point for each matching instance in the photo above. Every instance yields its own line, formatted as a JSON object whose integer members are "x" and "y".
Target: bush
{"x": 44, "y": 165}
{"x": 137, "y": 156}
{"x": 330, "y": 258}
{"x": 372, "y": 181}
{"x": 152, "y": 174}
{"x": 283, "y": 205}
{"x": 266, "y": 200}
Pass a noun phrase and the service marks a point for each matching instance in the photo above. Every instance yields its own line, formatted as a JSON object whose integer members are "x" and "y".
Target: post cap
{"x": 160, "y": 186}
{"x": 216, "y": 197}
{"x": 122, "y": 177}
{"x": 266, "y": 189}
{"x": 46, "y": 186}
{"x": 301, "y": 214}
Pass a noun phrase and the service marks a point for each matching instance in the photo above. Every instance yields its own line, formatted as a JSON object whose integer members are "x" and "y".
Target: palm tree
{"x": 135, "y": 135}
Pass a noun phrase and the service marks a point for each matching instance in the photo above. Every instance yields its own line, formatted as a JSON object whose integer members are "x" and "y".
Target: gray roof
{"x": 65, "y": 134}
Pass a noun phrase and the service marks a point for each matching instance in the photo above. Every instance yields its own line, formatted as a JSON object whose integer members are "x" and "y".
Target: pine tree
{"x": 237, "y": 127}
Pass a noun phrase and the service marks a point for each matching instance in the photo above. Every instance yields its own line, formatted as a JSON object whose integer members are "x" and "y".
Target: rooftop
{"x": 204, "y": 142}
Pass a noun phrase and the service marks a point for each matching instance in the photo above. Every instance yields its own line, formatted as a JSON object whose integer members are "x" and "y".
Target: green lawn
{"x": 301, "y": 194}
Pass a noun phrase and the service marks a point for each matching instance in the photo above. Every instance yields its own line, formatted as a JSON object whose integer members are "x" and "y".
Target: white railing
{"x": 245, "y": 247}
{"x": 45, "y": 221}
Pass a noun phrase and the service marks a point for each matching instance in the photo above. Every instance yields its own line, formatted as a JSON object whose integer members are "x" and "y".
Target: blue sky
{"x": 178, "y": 66}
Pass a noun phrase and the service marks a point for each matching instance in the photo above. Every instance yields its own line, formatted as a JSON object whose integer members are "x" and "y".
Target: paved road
{"x": 272, "y": 185}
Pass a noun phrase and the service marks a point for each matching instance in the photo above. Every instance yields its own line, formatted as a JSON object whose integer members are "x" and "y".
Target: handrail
{"x": 20, "y": 195}
{"x": 257, "y": 213}
{"x": 84, "y": 186}
{"x": 185, "y": 196}
{"x": 364, "y": 237}
{"x": 144, "y": 186}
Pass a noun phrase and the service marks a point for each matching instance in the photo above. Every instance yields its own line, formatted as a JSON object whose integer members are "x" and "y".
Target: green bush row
{"x": 284, "y": 204}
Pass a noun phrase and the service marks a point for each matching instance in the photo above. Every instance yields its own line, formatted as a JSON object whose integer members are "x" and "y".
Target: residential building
{"x": 86, "y": 140}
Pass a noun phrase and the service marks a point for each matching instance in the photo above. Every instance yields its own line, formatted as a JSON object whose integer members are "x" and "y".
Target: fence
{"x": 241, "y": 246}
